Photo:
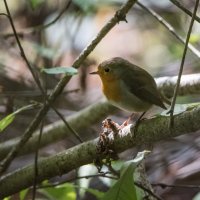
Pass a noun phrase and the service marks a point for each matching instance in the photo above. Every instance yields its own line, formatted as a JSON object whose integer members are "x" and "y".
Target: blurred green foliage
{"x": 35, "y": 3}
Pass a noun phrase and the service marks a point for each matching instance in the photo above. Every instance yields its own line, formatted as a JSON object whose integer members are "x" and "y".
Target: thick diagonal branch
{"x": 119, "y": 16}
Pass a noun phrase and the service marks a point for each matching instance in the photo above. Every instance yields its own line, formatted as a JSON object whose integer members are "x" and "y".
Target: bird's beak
{"x": 94, "y": 72}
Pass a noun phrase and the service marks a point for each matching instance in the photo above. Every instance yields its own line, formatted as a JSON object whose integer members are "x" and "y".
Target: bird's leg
{"x": 138, "y": 121}
{"x": 126, "y": 123}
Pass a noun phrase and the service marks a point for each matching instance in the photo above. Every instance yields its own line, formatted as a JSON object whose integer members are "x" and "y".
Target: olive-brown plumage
{"x": 128, "y": 86}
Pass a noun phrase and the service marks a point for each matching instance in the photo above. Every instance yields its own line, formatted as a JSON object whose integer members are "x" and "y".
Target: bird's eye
{"x": 106, "y": 69}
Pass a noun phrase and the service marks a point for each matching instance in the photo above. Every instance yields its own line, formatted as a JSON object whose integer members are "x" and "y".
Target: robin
{"x": 128, "y": 86}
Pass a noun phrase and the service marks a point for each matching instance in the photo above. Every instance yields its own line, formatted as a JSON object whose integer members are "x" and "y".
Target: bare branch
{"x": 58, "y": 131}
{"x": 38, "y": 28}
{"x": 36, "y": 162}
{"x": 4, "y": 14}
{"x": 103, "y": 174}
{"x": 182, "y": 64}
{"x": 148, "y": 191}
{"x": 169, "y": 28}
{"x": 189, "y": 85}
{"x": 163, "y": 186}
{"x": 188, "y": 12}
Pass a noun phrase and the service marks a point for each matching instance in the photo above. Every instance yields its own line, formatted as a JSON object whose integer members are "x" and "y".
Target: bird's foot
{"x": 126, "y": 123}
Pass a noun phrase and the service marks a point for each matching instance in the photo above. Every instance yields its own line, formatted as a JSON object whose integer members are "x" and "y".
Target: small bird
{"x": 128, "y": 86}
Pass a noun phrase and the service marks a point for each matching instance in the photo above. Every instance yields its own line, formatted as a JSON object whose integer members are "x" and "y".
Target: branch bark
{"x": 189, "y": 85}
{"x": 149, "y": 131}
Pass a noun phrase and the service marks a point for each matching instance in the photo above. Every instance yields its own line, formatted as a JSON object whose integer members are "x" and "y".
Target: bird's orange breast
{"x": 111, "y": 90}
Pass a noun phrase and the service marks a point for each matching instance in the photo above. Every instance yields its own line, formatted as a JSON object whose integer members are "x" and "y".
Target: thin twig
{"x": 67, "y": 124}
{"x": 112, "y": 170}
{"x": 56, "y": 131}
{"x": 104, "y": 174}
{"x": 184, "y": 9}
{"x": 21, "y": 48}
{"x": 30, "y": 67}
{"x": 39, "y": 27}
{"x": 163, "y": 185}
{"x": 33, "y": 73}
{"x": 119, "y": 16}
{"x": 4, "y": 14}
{"x": 169, "y": 28}
{"x": 182, "y": 64}
{"x": 148, "y": 191}
{"x": 35, "y": 179}
{"x": 36, "y": 162}
{"x": 32, "y": 93}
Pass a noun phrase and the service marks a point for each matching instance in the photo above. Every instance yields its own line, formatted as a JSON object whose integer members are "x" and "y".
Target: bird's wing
{"x": 144, "y": 87}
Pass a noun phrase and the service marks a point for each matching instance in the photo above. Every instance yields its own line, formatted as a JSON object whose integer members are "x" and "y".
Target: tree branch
{"x": 4, "y": 14}
{"x": 102, "y": 174}
{"x": 182, "y": 64}
{"x": 149, "y": 131}
{"x": 188, "y": 12}
{"x": 189, "y": 85}
{"x": 163, "y": 186}
{"x": 58, "y": 131}
{"x": 38, "y": 28}
{"x": 35, "y": 77}
{"x": 169, "y": 28}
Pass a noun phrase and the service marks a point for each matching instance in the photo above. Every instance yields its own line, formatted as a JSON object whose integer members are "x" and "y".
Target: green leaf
{"x": 9, "y": 118}
{"x": 61, "y": 192}
{"x": 6, "y": 121}
{"x": 179, "y": 108}
{"x": 35, "y": 3}
{"x": 95, "y": 192}
{"x": 194, "y": 38}
{"x": 124, "y": 188}
{"x": 7, "y": 198}
{"x": 70, "y": 71}
{"x": 196, "y": 197}
{"x": 23, "y": 194}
